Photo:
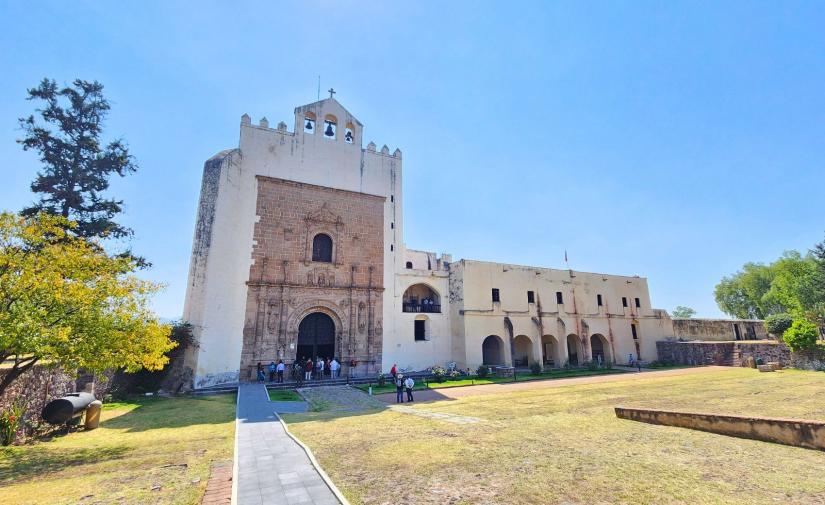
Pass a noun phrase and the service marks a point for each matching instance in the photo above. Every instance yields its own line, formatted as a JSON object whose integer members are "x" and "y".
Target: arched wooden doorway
{"x": 316, "y": 337}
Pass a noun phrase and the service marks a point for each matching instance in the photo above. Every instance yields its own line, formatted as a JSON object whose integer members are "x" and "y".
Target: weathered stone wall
{"x": 796, "y": 432}
{"x": 719, "y": 329}
{"x": 39, "y": 386}
{"x": 737, "y": 353}
{"x": 285, "y": 284}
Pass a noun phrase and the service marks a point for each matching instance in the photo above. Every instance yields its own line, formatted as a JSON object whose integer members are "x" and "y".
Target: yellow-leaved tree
{"x": 65, "y": 302}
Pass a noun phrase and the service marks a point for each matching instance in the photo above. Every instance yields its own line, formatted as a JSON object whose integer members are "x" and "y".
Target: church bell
{"x": 308, "y": 126}
{"x": 328, "y": 132}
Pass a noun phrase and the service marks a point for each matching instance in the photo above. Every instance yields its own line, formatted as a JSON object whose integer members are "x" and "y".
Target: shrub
{"x": 455, "y": 374}
{"x": 801, "y": 335}
{"x": 535, "y": 368}
{"x": 10, "y": 419}
{"x": 382, "y": 379}
{"x": 483, "y": 371}
{"x": 591, "y": 365}
{"x": 778, "y": 323}
{"x": 608, "y": 365}
{"x": 440, "y": 373}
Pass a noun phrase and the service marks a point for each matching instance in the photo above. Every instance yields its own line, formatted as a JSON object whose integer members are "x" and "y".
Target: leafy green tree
{"x": 76, "y": 165}
{"x": 801, "y": 335}
{"x": 742, "y": 294}
{"x": 776, "y": 324}
{"x": 682, "y": 312}
{"x": 65, "y": 302}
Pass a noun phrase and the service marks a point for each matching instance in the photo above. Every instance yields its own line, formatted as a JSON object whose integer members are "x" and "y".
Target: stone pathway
{"x": 430, "y": 395}
{"x": 271, "y": 467}
{"x": 340, "y": 399}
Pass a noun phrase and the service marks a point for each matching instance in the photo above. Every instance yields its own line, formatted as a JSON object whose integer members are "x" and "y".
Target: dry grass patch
{"x": 148, "y": 451}
{"x": 565, "y": 445}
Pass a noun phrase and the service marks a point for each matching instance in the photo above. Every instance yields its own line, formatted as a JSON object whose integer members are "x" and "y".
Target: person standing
{"x": 272, "y": 369}
{"x": 335, "y": 368}
{"x": 298, "y": 372}
{"x": 409, "y": 384}
{"x": 399, "y": 389}
{"x": 308, "y": 370}
{"x": 394, "y": 371}
{"x": 320, "y": 374}
{"x": 280, "y": 369}
{"x": 327, "y": 370}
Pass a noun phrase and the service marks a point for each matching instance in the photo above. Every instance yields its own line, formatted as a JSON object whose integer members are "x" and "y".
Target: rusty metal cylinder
{"x": 93, "y": 415}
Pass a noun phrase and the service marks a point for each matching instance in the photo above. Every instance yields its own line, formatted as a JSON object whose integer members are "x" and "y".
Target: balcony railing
{"x": 432, "y": 308}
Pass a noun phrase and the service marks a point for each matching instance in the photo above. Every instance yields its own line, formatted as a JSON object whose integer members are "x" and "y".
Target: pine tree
{"x": 76, "y": 167}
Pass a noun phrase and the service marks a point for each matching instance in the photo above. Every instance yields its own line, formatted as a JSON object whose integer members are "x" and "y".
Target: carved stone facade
{"x": 285, "y": 285}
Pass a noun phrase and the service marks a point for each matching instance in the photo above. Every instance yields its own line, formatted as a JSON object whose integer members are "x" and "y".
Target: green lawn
{"x": 284, "y": 395}
{"x": 474, "y": 381}
{"x": 141, "y": 444}
{"x": 565, "y": 445}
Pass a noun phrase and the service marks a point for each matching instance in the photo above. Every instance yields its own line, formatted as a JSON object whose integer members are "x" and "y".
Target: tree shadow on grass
{"x": 24, "y": 463}
{"x": 161, "y": 413}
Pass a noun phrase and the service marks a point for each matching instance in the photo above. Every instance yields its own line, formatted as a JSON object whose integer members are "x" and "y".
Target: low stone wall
{"x": 40, "y": 385}
{"x": 737, "y": 353}
{"x": 796, "y": 432}
{"x": 719, "y": 329}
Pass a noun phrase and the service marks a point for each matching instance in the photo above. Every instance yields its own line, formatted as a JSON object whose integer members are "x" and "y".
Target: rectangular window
{"x": 599, "y": 300}
{"x": 624, "y": 301}
{"x": 736, "y": 332}
{"x": 420, "y": 330}
{"x": 638, "y": 303}
{"x": 495, "y": 295}
{"x": 392, "y": 198}
{"x": 531, "y": 297}
{"x": 633, "y": 330}
{"x": 559, "y": 298}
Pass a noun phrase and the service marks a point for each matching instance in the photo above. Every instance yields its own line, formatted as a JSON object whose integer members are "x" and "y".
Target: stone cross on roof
{"x": 331, "y": 92}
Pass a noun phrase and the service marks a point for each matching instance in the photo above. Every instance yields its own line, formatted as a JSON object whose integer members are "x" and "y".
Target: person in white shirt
{"x": 335, "y": 367}
{"x": 320, "y": 368}
{"x": 408, "y": 385}
{"x": 280, "y": 368}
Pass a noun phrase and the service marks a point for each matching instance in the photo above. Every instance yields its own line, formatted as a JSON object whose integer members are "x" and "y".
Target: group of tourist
{"x": 402, "y": 385}
{"x": 303, "y": 369}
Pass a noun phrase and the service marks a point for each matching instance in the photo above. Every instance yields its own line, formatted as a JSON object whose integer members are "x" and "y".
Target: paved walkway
{"x": 271, "y": 467}
{"x": 430, "y": 395}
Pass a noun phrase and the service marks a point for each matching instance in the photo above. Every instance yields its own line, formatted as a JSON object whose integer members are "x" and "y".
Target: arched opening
{"x": 309, "y": 123}
{"x": 349, "y": 133}
{"x": 316, "y": 337}
{"x": 322, "y": 248}
{"x": 573, "y": 349}
{"x": 491, "y": 351}
{"x": 523, "y": 351}
{"x": 421, "y": 298}
{"x": 330, "y": 126}
{"x": 549, "y": 349}
{"x": 600, "y": 348}
{"x": 409, "y": 265}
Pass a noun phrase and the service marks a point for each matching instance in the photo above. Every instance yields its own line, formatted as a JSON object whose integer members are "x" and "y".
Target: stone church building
{"x": 299, "y": 252}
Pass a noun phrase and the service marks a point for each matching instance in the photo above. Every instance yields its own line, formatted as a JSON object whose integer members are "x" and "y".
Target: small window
{"x": 624, "y": 301}
{"x": 330, "y": 126}
{"x": 309, "y": 123}
{"x": 392, "y": 198}
{"x": 599, "y": 300}
{"x": 495, "y": 295}
{"x": 409, "y": 264}
{"x": 348, "y": 135}
{"x": 420, "y": 330}
{"x": 633, "y": 330}
{"x": 392, "y": 248}
{"x": 322, "y": 248}
{"x": 559, "y": 298}
{"x": 531, "y": 297}
{"x": 638, "y": 303}
{"x": 392, "y": 226}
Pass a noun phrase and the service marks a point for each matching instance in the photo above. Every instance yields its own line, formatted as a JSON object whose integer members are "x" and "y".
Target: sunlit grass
{"x": 139, "y": 446}
{"x": 565, "y": 445}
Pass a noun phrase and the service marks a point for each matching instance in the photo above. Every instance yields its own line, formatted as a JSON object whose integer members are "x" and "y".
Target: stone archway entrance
{"x": 316, "y": 337}
{"x": 491, "y": 351}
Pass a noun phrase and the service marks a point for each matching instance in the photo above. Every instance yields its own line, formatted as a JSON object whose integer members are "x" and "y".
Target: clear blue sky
{"x": 670, "y": 140}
